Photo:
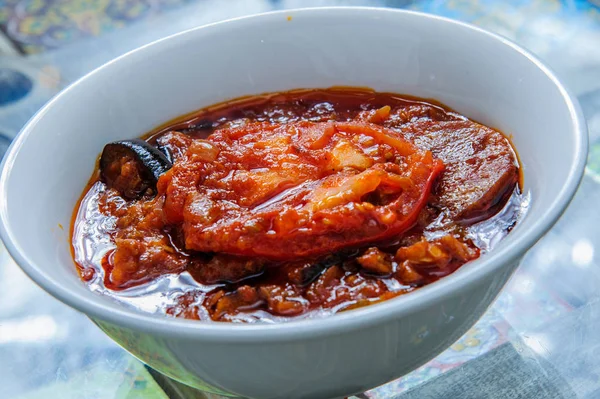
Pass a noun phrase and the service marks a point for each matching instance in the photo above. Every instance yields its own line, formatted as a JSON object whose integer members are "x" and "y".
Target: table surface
{"x": 540, "y": 338}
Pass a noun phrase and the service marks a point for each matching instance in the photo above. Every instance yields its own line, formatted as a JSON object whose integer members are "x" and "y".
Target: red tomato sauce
{"x": 295, "y": 204}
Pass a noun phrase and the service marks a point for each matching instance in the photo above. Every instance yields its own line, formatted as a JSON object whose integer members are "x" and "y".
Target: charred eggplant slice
{"x": 132, "y": 167}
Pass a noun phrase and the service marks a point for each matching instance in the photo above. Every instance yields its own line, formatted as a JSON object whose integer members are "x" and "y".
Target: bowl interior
{"x": 477, "y": 74}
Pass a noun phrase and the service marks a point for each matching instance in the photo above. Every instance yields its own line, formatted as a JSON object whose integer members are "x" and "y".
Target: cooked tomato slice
{"x": 283, "y": 191}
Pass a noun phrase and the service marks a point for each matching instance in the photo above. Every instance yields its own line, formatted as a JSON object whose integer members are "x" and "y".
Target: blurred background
{"x": 539, "y": 340}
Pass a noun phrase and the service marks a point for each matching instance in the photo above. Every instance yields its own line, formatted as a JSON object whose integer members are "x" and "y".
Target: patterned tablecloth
{"x": 539, "y": 340}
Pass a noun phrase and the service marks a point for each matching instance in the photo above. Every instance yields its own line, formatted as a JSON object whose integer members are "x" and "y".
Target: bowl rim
{"x": 94, "y": 307}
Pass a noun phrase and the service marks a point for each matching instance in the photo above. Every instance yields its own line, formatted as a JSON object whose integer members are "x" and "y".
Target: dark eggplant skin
{"x": 167, "y": 153}
{"x": 151, "y": 164}
{"x": 201, "y": 125}
{"x": 311, "y": 273}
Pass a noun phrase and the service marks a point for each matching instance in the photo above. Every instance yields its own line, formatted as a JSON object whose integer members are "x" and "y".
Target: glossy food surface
{"x": 299, "y": 204}
{"x": 289, "y": 191}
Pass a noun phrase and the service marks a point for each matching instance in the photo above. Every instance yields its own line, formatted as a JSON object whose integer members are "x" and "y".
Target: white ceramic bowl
{"x": 477, "y": 73}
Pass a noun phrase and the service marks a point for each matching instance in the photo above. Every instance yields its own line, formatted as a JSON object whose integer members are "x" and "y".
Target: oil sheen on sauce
{"x": 93, "y": 230}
